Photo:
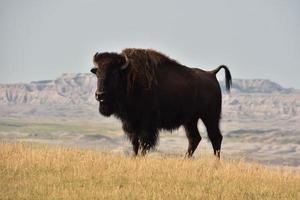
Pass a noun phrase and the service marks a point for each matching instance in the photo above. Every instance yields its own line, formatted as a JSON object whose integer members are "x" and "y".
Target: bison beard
{"x": 150, "y": 92}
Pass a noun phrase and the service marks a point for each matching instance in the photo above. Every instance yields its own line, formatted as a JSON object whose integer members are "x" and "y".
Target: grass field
{"x": 31, "y": 171}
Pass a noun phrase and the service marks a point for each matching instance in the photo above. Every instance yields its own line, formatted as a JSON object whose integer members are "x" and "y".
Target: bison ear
{"x": 94, "y": 70}
{"x": 124, "y": 63}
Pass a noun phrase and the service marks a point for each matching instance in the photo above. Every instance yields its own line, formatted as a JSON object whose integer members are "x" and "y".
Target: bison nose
{"x": 99, "y": 95}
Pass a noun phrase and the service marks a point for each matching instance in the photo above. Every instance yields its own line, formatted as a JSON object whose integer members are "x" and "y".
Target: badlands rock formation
{"x": 249, "y": 99}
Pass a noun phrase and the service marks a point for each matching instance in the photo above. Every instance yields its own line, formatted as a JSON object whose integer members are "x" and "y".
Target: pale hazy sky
{"x": 41, "y": 39}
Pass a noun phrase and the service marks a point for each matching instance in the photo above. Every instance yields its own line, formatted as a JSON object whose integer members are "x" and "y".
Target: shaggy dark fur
{"x": 149, "y": 92}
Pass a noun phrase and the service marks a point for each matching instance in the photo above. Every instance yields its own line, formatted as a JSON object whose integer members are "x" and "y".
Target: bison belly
{"x": 175, "y": 109}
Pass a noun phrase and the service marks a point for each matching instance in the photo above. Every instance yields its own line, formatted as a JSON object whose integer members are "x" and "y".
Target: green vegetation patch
{"x": 49, "y": 129}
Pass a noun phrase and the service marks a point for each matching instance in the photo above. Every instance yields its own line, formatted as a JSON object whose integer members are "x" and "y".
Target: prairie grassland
{"x": 30, "y": 171}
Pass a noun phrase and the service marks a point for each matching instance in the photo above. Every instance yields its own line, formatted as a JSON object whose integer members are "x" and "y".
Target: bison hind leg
{"x": 214, "y": 134}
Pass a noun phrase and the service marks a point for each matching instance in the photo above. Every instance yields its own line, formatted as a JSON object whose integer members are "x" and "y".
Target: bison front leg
{"x": 145, "y": 149}
{"x": 148, "y": 140}
{"x": 135, "y": 145}
{"x": 133, "y": 137}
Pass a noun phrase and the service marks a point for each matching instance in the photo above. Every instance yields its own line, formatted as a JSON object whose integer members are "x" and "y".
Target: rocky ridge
{"x": 257, "y": 98}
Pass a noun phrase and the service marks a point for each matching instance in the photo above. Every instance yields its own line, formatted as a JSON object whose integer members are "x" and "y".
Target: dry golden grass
{"x": 30, "y": 171}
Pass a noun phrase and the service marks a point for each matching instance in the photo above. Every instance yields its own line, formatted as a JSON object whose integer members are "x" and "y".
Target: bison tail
{"x": 228, "y": 79}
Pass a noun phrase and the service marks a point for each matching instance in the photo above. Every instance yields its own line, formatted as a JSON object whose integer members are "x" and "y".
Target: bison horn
{"x": 96, "y": 55}
{"x": 126, "y": 63}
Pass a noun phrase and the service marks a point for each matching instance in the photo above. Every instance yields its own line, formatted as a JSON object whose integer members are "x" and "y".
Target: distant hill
{"x": 80, "y": 88}
{"x": 66, "y": 89}
{"x": 258, "y": 86}
{"x": 257, "y": 98}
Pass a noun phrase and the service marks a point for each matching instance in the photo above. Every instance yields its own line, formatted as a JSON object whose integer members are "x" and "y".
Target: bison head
{"x": 109, "y": 69}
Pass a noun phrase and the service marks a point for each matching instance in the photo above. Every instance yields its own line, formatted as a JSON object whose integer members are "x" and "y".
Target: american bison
{"x": 149, "y": 92}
